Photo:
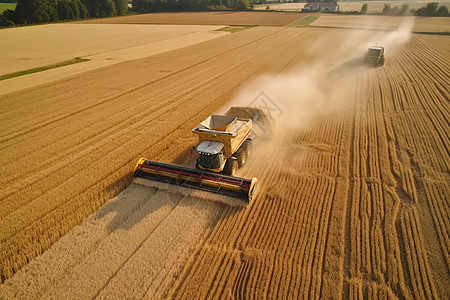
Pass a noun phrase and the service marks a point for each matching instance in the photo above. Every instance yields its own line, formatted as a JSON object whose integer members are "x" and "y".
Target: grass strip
{"x": 5, "y": 6}
{"x": 234, "y": 29}
{"x": 45, "y": 68}
{"x": 304, "y": 22}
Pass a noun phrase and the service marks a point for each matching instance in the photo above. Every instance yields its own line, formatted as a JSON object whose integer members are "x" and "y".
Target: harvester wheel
{"x": 241, "y": 156}
{"x": 382, "y": 61}
{"x": 230, "y": 167}
{"x": 247, "y": 146}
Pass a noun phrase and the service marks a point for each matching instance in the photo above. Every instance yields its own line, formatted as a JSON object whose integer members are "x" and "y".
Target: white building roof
{"x": 211, "y": 147}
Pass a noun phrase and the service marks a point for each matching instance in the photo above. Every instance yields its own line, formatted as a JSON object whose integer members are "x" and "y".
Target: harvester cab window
{"x": 374, "y": 52}
{"x": 210, "y": 161}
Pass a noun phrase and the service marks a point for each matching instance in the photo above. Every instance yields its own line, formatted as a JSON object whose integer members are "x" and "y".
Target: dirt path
{"x": 354, "y": 194}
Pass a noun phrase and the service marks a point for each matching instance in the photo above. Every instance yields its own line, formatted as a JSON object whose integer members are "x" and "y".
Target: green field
{"x": 5, "y": 6}
{"x": 305, "y": 21}
{"x": 234, "y": 29}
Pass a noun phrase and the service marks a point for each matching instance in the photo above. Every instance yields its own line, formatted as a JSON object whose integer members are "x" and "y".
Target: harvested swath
{"x": 141, "y": 231}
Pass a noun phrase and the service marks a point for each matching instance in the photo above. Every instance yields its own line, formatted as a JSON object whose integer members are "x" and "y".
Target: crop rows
{"x": 390, "y": 155}
{"x": 352, "y": 204}
{"x": 277, "y": 248}
{"x": 72, "y": 151}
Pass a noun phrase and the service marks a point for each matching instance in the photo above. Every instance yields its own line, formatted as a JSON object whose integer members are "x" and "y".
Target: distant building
{"x": 321, "y": 6}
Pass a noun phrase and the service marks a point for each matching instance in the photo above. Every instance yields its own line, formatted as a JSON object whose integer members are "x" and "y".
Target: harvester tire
{"x": 247, "y": 146}
{"x": 241, "y": 156}
{"x": 382, "y": 61}
{"x": 231, "y": 167}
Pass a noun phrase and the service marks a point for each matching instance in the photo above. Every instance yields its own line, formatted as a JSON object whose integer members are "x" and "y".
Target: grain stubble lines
{"x": 205, "y": 91}
{"x": 354, "y": 215}
{"x": 384, "y": 249}
{"x": 130, "y": 123}
{"x": 405, "y": 269}
{"x": 278, "y": 236}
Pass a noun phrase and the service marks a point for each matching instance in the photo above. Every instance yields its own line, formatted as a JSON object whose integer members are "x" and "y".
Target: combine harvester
{"x": 225, "y": 143}
{"x": 375, "y": 56}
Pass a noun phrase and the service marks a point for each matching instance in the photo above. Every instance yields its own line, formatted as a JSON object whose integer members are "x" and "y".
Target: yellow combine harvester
{"x": 225, "y": 143}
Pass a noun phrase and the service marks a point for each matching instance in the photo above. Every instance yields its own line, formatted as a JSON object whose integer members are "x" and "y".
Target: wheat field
{"x": 353, "y": 198}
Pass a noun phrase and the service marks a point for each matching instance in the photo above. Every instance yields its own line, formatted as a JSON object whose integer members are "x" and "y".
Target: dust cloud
{"x": 326, "y": 85}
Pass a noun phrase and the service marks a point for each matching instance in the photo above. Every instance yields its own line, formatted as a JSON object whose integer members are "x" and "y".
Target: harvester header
{"x": 197, "y": 179}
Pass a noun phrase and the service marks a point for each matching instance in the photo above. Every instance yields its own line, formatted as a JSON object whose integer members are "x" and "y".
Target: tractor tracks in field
{"x": 64, "y": 172}
{"x": 387, "y": 219}
{"x": 354, "y": 205}
{"x": 429, "y": 164}
{"x": 142, "y": 231}
{"x": 282, "y": 238}
{"x": 132, "y": 124}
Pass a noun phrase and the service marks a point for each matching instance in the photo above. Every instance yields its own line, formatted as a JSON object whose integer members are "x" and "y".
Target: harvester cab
{"x": 375, "y": 56}
{"x": 210, "y": 156}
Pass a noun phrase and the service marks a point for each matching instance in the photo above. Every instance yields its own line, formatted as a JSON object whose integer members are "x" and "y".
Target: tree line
{"x": 44, "y": 11}
{"x": 432, "y": 9}
{"x": 146, "y": 6}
